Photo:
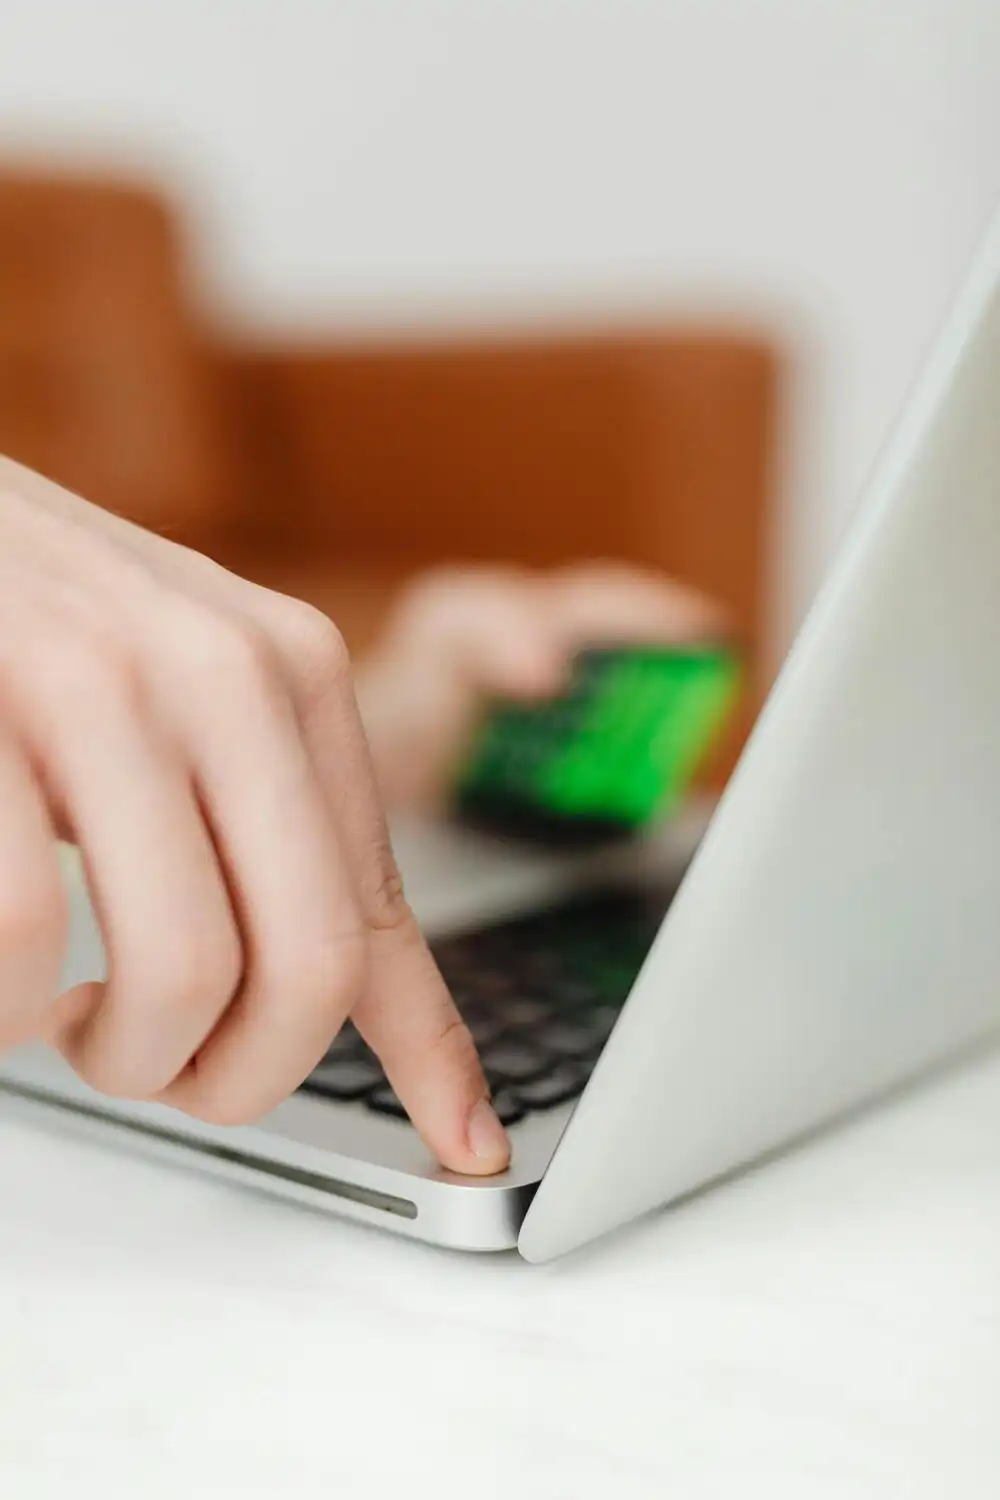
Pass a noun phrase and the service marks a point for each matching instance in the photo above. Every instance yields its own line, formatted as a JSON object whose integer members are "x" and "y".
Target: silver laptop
{"x": 837, "y": 932}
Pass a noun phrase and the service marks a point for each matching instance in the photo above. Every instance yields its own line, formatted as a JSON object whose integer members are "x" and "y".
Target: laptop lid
{"x": 839, "y": 929}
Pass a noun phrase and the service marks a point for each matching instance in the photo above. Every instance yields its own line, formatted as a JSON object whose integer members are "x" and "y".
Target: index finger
{"x": 405, "y": 1014}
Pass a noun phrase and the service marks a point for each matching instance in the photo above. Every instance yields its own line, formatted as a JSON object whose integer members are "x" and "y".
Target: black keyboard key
{"x": 602, "y": 1022}
{"x": 347, "y": 1043}
{"x": 512, "y": 1062}
{"x": 536, "y": 969}
{"x": 384, "y": 1101}
{"x": 488, "y": 984}
{"x": 486, "y": 1030}
{"x": 474, "y": 1007}
{"x": 566, "y": 1081}
{"x": 522, "y": 1012}
{"x": 614, "y": 981}
{"x": 346, "y": 1077}
{"x": 540, "y": 994}
{"x": 509, "y": 1108}
{"x": 565, "y": 1038}
{"x": 571, "y": 991}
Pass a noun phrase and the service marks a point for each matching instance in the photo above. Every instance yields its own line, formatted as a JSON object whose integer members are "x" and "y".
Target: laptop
{"x": 836, "y": 933}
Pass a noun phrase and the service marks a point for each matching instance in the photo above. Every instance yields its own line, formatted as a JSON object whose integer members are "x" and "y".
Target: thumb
{"x": 487, "y": 632}
{"x": 455, "y": 642}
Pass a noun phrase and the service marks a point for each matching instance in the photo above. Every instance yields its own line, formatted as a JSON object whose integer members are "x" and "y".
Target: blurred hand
{"x": 458, "y": 638}
{"x": 198, "y": 738}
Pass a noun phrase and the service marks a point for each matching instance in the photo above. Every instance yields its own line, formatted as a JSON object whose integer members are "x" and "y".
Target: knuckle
{"x": 204, "y": 973}
{"x": 316, "y": 992}
{"x": 195, "y": 990}
{"x": 453, "y": 1037}
{"x": 437, "y": 592}
{"x": 386, "y": 906}
{"x": 434, "y": 587}
{"x": 104, "y": 1069}
{"x": 87, "y": 665}
{"x": 234, "y": 653}
{"x": 427, "y": 605}
{"x": 327, "y": 977}
{"x": 315, "y": 645}
{"x": 449, "y": 1049}
{"x": 99, "y": 1054}
{"x": 215, "y": 650}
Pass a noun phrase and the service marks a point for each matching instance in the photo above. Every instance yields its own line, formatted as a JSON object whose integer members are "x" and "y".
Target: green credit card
{"x": 619, "y": 748}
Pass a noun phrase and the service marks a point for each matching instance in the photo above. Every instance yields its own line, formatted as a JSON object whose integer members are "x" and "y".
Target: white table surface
{"x": 828, "y": 1326}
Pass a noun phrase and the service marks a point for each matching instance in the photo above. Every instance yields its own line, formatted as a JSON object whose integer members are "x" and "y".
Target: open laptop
{"x": 837, "y": 932}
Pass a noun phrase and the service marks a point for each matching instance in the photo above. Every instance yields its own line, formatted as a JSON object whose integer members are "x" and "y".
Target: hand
{"x": 198, "y": 738}
{"x": 459, "y": 638}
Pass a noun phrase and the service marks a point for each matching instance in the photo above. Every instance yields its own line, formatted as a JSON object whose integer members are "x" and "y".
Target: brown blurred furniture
{"x": 103, "y": 380}
{"x": 337, "y": 471}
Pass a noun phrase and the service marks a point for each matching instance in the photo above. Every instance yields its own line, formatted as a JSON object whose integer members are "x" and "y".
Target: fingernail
{"x": 487, "y": 1138}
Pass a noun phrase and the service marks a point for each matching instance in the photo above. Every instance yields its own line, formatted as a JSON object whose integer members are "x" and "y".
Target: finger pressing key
{"x": 405, "y": 1013}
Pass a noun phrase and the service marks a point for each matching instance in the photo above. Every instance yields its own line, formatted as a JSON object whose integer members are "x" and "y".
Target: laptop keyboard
{"x": 540, "y": 995}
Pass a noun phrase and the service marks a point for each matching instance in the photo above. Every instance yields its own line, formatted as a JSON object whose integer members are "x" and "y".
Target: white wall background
{"x": 828, "y": 162}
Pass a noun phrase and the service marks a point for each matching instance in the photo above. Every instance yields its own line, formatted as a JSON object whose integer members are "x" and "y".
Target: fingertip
{"x": 481, "y": 1149}
{"x": 440, "y": 1082}
{"x": 429, "y": 1056}
{"x": 488, "y": 1141}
